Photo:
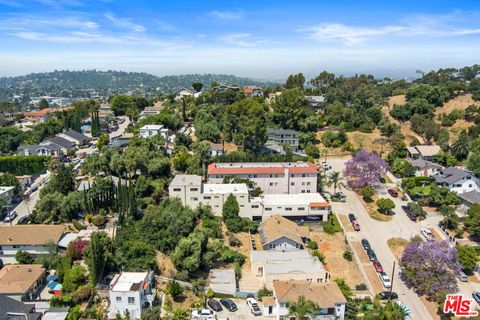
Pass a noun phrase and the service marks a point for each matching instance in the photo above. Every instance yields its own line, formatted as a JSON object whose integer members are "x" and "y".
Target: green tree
{"x": 9, "y": 180}
{"x": 473, "y": 162}
{"x": 450, "y": 218}
{"x": 295, "y": 81}
{"x": 97, "y": 256}
{"x": 231, "y": 218}
{"x": 367, "y": 193}
{"x": 189, "y": 251}
{"x": 74, "y": 278}
{"x": 291, "y": 109}
{"x": 385, "y": 205}
{"x": 174, "y": 289}
{"x": 102, "y": 141}
{"x": 302, "y": 308}
{"x": 335, "y": 180}
{"x": 402, "y": 168}
{"x": 43, "y": 104}
{"x": 461, "y": 148}
{"x": 467, "y": 256}
{"x": 197, "y": 86}
{"x": 62, "y": 180}
{"x": 153, "y": 313}
{"x": 472, "y": 221}
{"x": 312, "y": 151}
{"x": 24, "y": 257}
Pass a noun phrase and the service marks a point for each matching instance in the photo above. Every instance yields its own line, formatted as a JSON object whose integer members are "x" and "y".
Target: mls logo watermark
{"x": 459, "y": 306}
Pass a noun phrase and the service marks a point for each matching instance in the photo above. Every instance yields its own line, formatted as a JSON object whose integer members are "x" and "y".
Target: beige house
{"x": 22, "y": 282}
{"x": 270, "y": 266}
{"x": 425, "y": 152}
{"x": 279, "y": 233}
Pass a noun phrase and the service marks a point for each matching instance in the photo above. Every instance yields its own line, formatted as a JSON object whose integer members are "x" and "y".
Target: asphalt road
{"x": 378, "y": 232}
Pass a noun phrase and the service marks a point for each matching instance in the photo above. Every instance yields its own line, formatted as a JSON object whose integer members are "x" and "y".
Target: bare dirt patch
{"x": 165, "y": 265}
{"x": 373, "y": 141}
{"x": 373, "y": 278}
{"x": 460, "y": 102}
{"x": 333, "y": 247}
{"x": 397, "y": 246}
{"x": 346, "y": 223}
{"x": 361, "y": 252}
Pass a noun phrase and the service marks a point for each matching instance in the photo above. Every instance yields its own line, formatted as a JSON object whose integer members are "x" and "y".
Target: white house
{"x": 279, "y": 233}
{"x": 151, "y": 130}
{"x": 6, "y": 194}
{"x": 424, "y": 168}
{"x": 253, "y": 91}
{"x": 149, "y": 111}
{"x": 183, "y": 93}
{"x": 34, "y": 238}
{"x": 288, "y": 137}
{"x": 270, "y": 266}
{"x": 132, "y": 292}
{"x": 457, "y": 180}
{"x": 327, "y": 296}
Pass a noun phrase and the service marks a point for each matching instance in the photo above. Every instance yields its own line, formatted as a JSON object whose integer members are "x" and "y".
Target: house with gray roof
{"x": 457, "y": 180}
{"x": 470, "y": 198}
{"x": 11, "y": 309}
{"x": 286, "y": 137}
{"x": 316, "y": 101}
{"x": 424, "y": 168}
{"x": 74, "y": 136}
{"x": 48, "y": 149}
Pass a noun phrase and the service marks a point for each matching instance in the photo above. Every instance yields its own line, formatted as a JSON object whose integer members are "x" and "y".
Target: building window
{"x": 131, "y": 300}
{"x": 267, "y": 209}
{"x": 207, "y": 197}
{"x": 271, "y": 184}
{"x": 118, "y": 299}
{"x": 193, "y": 189}
{"x": 177, "y": 189}
{"x": 194, "y": 199}
{"x": 288, "y": 209}
{"x": 254, "y": 175}
{"x": 303, "y": 183}
{"x": 308, "y": 191}
{"x": 308, "y": 183}
{"x": 216, "y": 197}
{"x": 292, "y": 183}
{"x": 301, "y": 209}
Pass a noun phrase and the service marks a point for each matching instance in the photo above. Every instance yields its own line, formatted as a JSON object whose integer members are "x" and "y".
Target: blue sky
{"x": 261, "y": 39}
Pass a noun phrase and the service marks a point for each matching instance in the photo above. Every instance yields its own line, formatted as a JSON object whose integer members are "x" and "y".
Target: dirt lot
{"x": 372, "y": 141}
{"x": 333, "y": 247}
{"x": 346, "y": 223}
{"x": 397, "y": 246}
{"x": 461, "y": 102}
{"x": 368, "y": 267}
{"x": 165, "y": 265}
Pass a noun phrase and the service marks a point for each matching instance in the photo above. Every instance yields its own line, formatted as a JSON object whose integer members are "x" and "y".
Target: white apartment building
{"x": 192, "y": 192}
{"x": 132, "y": 292}
{"x": 151, "y": 130}
{"x": 272, "y": 178}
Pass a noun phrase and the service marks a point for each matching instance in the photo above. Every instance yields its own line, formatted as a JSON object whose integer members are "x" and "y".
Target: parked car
{"x": 214, "y": 305}
{"x": 203, "y": 314}
{"x": 23, "y": 220}
{"x": 462, "y": 276}
{"x": 410, "y": 214}
{"x": 385, "y": 295}
{"x": 352, "y": 217}
{"x": 229, "y": 304}
{"x": 378, "y": 266}
{"x": 254, "y": 246}
{"x": 366, "y": 244}
{"x": 254, "y": 308}
{"x": 476, "y": 296}
{"x": 385, "y": 280}
{"x": 326, "y": 166}
{"x": 341, "y": 197}
{"x": 371, "y": 255}
{"x": 10, "y": 216}
{"x": 427, "y": 234}
{"x": 355, "y": 225}
{"x": 405, "y": 197}
{"x": 393, "y": 192}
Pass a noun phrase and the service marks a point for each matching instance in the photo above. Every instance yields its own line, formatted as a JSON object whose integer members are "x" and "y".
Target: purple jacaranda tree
{"x": 364, "y": 169}
{"x": 430, "y": 267}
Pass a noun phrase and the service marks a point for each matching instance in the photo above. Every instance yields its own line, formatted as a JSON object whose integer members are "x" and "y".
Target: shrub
{"x": 174, "y": 289}
{"x": 264, "y": 292}
{"x": 367, "y": 193}
{"x": 332, "y": 226}
{"x": 24, "y": 257}
{"x": 319, "y": 255}
{"x": 82, "y": 294}
{"x": 61, "y": 301}
{"x": 99, "y": 220}
{"x": 347, "y": 255}
{"x": 234, "y": 241}
{"x": 78, "y": 225}
{"x": 312, "y": 245}
{"x": 385, "y": 205}
{"x": 361, "y": 287}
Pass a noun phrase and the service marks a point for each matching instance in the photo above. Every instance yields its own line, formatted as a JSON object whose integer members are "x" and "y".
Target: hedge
{"x": 23, "y": 165}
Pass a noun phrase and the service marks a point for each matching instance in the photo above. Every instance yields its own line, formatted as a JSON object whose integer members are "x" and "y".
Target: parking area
{"x": 243, "y": 312}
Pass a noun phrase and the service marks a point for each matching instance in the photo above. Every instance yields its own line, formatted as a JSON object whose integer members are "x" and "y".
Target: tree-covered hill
{"x": 88, "y": 83}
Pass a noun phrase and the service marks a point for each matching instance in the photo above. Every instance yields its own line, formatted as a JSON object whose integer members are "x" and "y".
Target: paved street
{"x": 378, "y": 232}
{"x": 121, "y": 127}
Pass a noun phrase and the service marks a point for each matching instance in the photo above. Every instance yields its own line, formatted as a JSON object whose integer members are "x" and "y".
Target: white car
{"x": 203, "y": 314}
{"x": 254, "y": 308}
{"x": 427, "y": 234}
{"x": 326, "y": 166}
{"x": 10, "y": 216}
{"x": 385, "y": 280}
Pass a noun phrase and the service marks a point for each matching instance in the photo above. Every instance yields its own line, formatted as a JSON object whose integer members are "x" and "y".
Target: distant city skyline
{"x": 262, "y": 40}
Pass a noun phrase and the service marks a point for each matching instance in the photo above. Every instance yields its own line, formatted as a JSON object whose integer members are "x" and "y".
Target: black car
{"x": 351, "y": 217}
{"x": 410, "y": 214}
{"x": 23, "y": 220}
{"x": 385, "y": 295}
{"x": 371, "y": 255}
{"x": 214, "y": 305}
{"x": 228, "y": 304}
{"x": 476, "y": 296}
{"x": 366, "y": 245}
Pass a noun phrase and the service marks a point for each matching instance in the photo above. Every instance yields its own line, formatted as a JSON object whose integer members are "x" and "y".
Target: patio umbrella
{"x": 52, "y": 285}
{"x": 58, "y": 287}
{"x": 53, "y": 277}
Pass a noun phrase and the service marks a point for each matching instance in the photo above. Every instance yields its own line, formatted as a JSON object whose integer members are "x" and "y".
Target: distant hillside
{"x": 76, "y": 84}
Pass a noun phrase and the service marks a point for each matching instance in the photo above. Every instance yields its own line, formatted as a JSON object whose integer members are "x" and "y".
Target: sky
{"x": 258, "y": 39}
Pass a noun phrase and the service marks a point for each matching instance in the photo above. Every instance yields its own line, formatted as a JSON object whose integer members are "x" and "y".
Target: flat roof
{"x": 325, "y": 295}
{"x": 33, "y": 234}
{"x": 225, "y": 188}
{"x": 186, "y": 180}
{"x": 18, "y": 278}
{"x": 5, "y": 189}
{"x": 152, "y": 127}
{"x": 128, "y": 281}
{"x": 276, "y": 226}
{"x": 260, "y": 168}
{"x": 300, "y": 199}
{"x": 282, "y": 262}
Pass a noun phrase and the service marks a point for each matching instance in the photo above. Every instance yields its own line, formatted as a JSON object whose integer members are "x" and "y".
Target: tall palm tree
{"x": 302, "y": 308}
{"x": 335, "y": 180}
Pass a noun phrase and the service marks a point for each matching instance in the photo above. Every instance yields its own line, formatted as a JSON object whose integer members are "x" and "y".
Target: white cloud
{"x": 125, "y": 23}
{"x": 227, "y": 15}
{"x": 426, "y": 26}
{"x": 241, "y": 39}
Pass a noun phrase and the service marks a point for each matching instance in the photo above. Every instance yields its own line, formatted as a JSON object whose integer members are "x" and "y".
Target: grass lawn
{"x": 397, "y": 245}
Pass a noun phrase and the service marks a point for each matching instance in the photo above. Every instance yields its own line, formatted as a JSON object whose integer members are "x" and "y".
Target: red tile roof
{"x": 213, "y": 169}
{"x": 248, "y": 90}
{"x": 39, "y": 113}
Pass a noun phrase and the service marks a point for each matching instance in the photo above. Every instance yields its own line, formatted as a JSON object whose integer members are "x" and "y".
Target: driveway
{"x": 243, "y": 312}
{"x": 378, "y": 232}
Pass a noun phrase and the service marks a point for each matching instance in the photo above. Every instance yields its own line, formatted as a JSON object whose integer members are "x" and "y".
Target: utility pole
{"x": 393, "y": 274}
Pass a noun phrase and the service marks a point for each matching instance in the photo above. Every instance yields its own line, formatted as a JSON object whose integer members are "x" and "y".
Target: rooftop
{"x": 277, "y": 226}
{"x": 451, "y": 174}
{"x": 62, "y": 142}
{"x": 223, "y": 281}
{"x": 5, "y": 189}
{"x": 225, "y": 188}
{"x": 261, "y": 168}
{"x": 425, "y": 150}
{"x": 424, "y": 164}
{"x": 301, "y": 199}
{"x": 39, "y": 113}
{"x": 152, "y": 127}
{"x": 75, "y": 135}
{"x": 182, "y": 180}
{"x": 280, "y": 262}
{"x": 34, "y": 234}
{"x": 281, "y": 131}
{"x": 8, "y": 305}
{"x": 18, "y": 278}
{"x": 472, "y": 197}
{"x": 128, "y": 281}
{"x": 325, "y": 295}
